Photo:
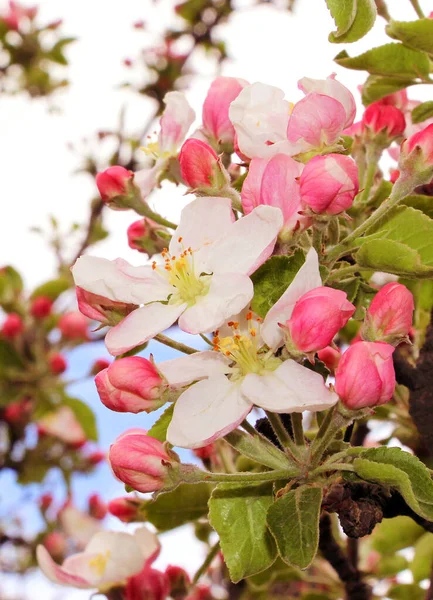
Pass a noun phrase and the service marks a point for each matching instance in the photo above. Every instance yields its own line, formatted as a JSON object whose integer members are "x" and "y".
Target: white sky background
{"x": 265, "y": 44}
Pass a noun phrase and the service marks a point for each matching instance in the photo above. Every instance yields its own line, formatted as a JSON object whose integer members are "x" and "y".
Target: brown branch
{"x": 355, "y": 588}
{"x": 95, "y": 213}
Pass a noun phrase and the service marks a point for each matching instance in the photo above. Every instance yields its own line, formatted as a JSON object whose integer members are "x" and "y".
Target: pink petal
{"x": 290, "y": 388}
{"x": 207, "y": 411}
{"x": 333, "y": 88}
{"x": 252, "y": 185}
{"x": 201, "y": 365}
{"x": 228, "y": 294}
{"x": 248, "y": 243}
{"x": 56, "y": 573}
{"x": 142, "y": 325}
{"x": 306, "y": 279}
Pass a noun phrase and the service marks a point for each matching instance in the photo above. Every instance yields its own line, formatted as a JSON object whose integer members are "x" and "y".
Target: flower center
{"x": 244, "y": 350}
{"x": 181, "y": 274}
{"x": 98, "y": 563}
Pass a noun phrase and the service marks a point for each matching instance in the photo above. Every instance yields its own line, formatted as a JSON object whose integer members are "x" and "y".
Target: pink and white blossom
{"x": 109, "y": 559}
{"x": 334, "y": 89}
{"x": 274, "y": 182}
{"x": 203, "y": 280}
{"x": 389, "y": 316}
{"x": 216, "y": 123}
{"x": 62, "y": 424}
{"x": 243, "y": 372}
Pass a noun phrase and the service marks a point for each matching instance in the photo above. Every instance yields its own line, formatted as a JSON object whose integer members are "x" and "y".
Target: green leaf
{"x": 259, "y": 449}
{"x": 415, "y": 34}
{"x": 52, "y": 289}
{"x": 9, "y": 357}
{"x": 238, "y": 514}
{"x": 294, "y": 523}
{"x": 393, "y": 60}
{"x": 402, "y": 471}
{"x": 159, "y": 429}
{"x": 172, "y": 509}
{"x": 420, "y": 202}
{"x": 422, "y": 111}
{"x": 401, "y": 243}
{"x": 361, "y": 24}
{"x": 406, "y": 591}
{"x": 423, "y": 558}
{"x": 85, "y": 416}
{"x": 272, "y": 279}
{"x": 377, "y": 86}
{"x": 391, "y": 565}
{"x": 343, "y": 12}
{"x": 393, "y": 535}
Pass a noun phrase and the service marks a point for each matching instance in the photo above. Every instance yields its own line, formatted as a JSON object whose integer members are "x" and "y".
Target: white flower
{"x": 244, "y": 372}
{"x": 109, "y": 559}
{"x": 203, "y": 280}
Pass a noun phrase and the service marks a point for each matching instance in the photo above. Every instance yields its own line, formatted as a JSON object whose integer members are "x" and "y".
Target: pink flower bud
{"x": 179, "y": 581}
{"x": 18, "y": 413}
{"x": 389, "y": 316}
{"x": 130, "y": 384}
{"x": 99, "y": 365}
{"x": 97, "y": 507}
{"x": 56, "y": 544}
{"x": 149, "y": 584}
{"x": 221, "y": 94}
{"x": 102, "y": 309}
{"x": 200, "y": 167}
{"x": 394, "y": 175}
{"x": 45, "y": 501}
{"x": 73, "y": 326}
{"x": 206, "y": 452}
{"x": 365, "y": 376}
{"x": 126, "y": 509}
{"x": 384, "y": 118}
{"x": 114, "y": 182}
{"x": 41, "y": 307}
{"x": 57, "y": 363}
{"x": 12, "y": 326}
{"x": 328, "y": 184}
{"x": 330, "y": 357}
{"x": 142, "y": 462}
{"x": 317, "y": 317}
{"x": 96, "y": 457}
{"x": 422, "y": 143}
{"x": 147, "y": 236}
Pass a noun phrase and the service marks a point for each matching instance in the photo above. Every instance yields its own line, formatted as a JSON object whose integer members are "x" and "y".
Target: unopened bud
{"x": 147, "y": 236}
{"x": 73, "y": 326}
{"x": 126, "y": 509}
{"x": 179, "y": 581}
{"x": 201, "y": 169}
{"x": 41, "y": 307}
{"x": 117, "y": 189}
{"x": 57, "y": 363}
{"x": 97, "y": 507}
{"x": 12, "y": 326}
{"x": 98, "y": 308}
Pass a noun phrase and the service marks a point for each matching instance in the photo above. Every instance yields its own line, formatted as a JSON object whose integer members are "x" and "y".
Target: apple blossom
{"x": 109, "y": 559}
{"x": 131, "y": 384}
{"x": 384, "y": 119}
{"x": 141, "y": 461}
{"x": 18, "y": 413}
{"x": 216, "y": 123}
{"x": 99, "y": 365}
{"x": 419, "y": 146}
{"x": 203, "y": 280}
{"x": 115, "y": 186}
{"x": 149, "y": 584}
{"x": 78, "y": 525}
{"x": 330, "y": 357}
{"x": 389, "y": 316}
{"x": 147, "y": 236}
{"x": 97, "y": 507}
{"x": 273, "y": 182}
{"x": 41, "y": 307}
{"x": 100, "y": 308}
{"x": 334, "y": 89}
{"x": 12, "y": 326}
{"x": 200, "y": 167}
{"x": 242, "y": 372}
{"x": 73, "y": 326}
{"x": 62, "y": 424}
{"x": 328, "y": 184}
{"x": 179, "y": 581}
{"x": 56, "y": 544}
{"x": 126, "y": 509}
{"x": 57, "y": 363}
{"x": 317, "y": 317}
{"x": 365, "y": 375}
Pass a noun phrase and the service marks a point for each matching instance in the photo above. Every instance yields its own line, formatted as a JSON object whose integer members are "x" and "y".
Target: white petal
{"x": 228, "y": 294}
{"x": 206, "y": 411}
{"x": 146, "y": 179}
{"x": 177, "y": 118}
{"x": 201, "y": 365}
{"x": 58, "y": 574}
{"x": 78, "y": 525}
{"x": 148, "y": 543}
{"x": 306, "y": 279}
{"x": 119, "y": 281}
{"x": 290, "y": 388}
{"x": 202, "y": 222}
{"x": 248, "y": 243}
{"x": 141, "y": 325}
